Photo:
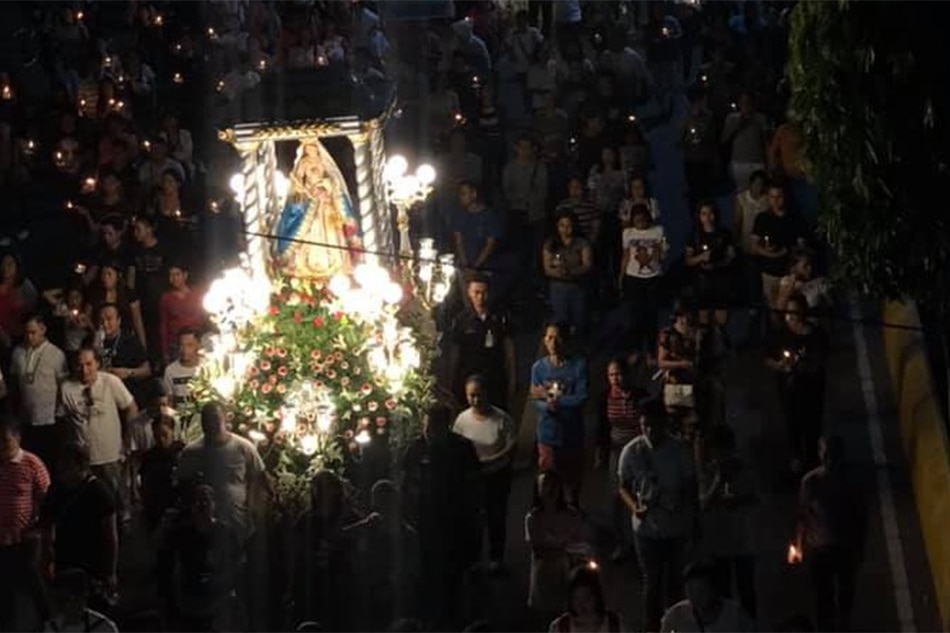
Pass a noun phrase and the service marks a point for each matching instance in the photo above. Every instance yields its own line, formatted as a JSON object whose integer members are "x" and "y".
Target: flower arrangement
{"x": 311, "y": 378}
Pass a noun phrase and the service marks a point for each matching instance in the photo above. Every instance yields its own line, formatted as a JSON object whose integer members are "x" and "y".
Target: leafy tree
{"x": 869, "y": 95}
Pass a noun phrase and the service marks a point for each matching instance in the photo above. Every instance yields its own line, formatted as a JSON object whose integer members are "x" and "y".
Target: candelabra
{"x": 403, "y": 191}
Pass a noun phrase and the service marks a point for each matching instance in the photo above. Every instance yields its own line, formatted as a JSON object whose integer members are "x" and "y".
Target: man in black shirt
{"x": 440, "y": 489}
{"x": 774, "y": 234}
{"x": 149, "y": 278}
{"x": 481, "y": 344}
{"x": 121, "y": 353}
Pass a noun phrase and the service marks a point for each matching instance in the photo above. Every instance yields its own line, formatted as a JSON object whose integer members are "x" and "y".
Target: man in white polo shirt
{"x": 94, "y": 404}
{"x": 37, "y": 368}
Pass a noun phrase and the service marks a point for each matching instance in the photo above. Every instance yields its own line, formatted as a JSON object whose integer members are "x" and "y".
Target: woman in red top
{"x": 17, "y": 299}
{"x": 180, "y": 308}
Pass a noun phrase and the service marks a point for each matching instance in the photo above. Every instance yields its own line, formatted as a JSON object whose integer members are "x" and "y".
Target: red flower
{"x": 282, "y": 371}
{"x": 266, "y": 388}
{"x": 281, "y": 352}
{"x": 349, "y": 230}
{"x": 298, "y": 318}
{"x": 265, "y": 365}
{"x": 318, "y": 322}
{"x": 316, "y": 354}
{"x": 281, "y": 389}
{"x": 331, "y": 374}
{"x": 274, "y": 310}
{"x": 366, "y": 388}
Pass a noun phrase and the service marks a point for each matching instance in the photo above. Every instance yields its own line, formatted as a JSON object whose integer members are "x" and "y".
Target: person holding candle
{"x": 831, "y": 534}
{"x": 798, "y": 354}
{"x": 559, "y": 392}
{"x": 586, "y": 607}
{"x": 774, "y": 234}
{"x": 705, "y": 609}
{"x": 491, "y": 431}
{"x": 658, "y": 485}
{"x": 730, "y": 502}
{"x": 709, "y": 256}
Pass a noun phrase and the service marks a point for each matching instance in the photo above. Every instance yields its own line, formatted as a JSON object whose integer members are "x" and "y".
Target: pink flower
{"x": 318, "y": 322}
{"x": 265, "y": 365}
{"x": 331, "y": 374}
{"x": 364, "y": 423}
{"x": 390, "y": 404}
{"x": 348, "y": 434}
{"x": 253, "y": 370}
{"x": 274, "y": 310}
{"x": 316, "y": 354}
{"x": 281, "y": 352}
{"x": 338, "y": 355}
{"x": 317, "y": 368}
{"x": 345, "y": 381}
{"x": 281, "y": 389}
{"x": 298, "y": 318}
{"x": 366, "y": 389}
{"x": 282, "y": 371}
{"x": 253, "y": 384}
{"x": 266, "y": 388}
{"x": 380, "y": 421}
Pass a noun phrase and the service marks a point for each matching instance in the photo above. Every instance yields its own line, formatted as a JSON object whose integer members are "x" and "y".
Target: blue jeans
{"x": 569, "y": 304}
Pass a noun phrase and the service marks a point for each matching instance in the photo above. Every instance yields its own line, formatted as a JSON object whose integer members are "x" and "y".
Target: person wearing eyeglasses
{"x": 99, "y": 406}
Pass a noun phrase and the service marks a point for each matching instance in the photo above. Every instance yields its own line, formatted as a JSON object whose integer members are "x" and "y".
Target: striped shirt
{"x": 585, "y": 211}
{"x": 23, "y": 482}
{"x": 623, "y": 417}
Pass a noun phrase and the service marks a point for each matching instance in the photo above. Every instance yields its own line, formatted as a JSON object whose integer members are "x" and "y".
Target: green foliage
{"x": 868, "y": 83}
{"x": 302, "y": 337}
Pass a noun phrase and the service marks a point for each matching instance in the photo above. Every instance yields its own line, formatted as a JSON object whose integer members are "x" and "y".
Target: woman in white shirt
{"x": 641, "y": 270}
{"x": 492, "y": 432}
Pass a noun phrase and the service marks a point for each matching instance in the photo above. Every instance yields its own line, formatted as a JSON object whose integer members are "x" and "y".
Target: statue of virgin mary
{"x": 317, "y": 232}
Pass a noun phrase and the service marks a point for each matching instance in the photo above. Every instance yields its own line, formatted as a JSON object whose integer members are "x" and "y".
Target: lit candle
{"x": 80, "y": 268}
{"x": 212, "y": 35}
{"x": 794, "y": 554}
{"x": 786, "y": 354}
{"x": 159, "y": 20}
{"x": 703, "y": 78}
{"x": 177, "y": 78}
{"x": 7, "y": 92}
{"x": 592, "y": 565}
{"x": 632, "y": 118}
{"x": 69, "y": 204}
{"x": 220, "y": 86}
{"x": 262, "y": 65}
{"x": 79, "y": 16}
{"x": 58, "y": 157}
{"x": 146, "y": 145}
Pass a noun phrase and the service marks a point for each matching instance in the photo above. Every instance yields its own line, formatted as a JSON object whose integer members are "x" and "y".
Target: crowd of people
{"x": 539, "y": 115}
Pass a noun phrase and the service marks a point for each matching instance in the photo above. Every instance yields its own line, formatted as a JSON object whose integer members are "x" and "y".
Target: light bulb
{"x": 237, "y": 184}
{"x": 392, "y": 293}
{"x": 396, "y": 166}
{"x": 426, "y": 174}
{"x": 340, "y": 285}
